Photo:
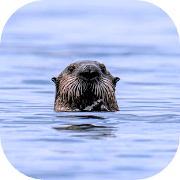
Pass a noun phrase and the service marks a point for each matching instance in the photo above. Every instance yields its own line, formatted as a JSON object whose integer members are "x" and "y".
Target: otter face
{"x": 89, "y": 71}
{"x": 82, "y": 83}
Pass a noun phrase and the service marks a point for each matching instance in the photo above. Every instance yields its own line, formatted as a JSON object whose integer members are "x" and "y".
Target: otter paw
{"x": 96, "y": 106}
{"x": 104, "y": 108}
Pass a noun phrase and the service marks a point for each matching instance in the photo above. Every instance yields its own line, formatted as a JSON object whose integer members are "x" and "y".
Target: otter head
{"x": 82, "y": 83}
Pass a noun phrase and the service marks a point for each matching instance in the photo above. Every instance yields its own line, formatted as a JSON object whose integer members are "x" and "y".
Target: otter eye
{"x": 103, "y": 68}
{"x": 71, "y": 68}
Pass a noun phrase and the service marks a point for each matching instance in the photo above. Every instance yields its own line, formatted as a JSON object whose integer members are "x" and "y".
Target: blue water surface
{"x": 138, "y": 42}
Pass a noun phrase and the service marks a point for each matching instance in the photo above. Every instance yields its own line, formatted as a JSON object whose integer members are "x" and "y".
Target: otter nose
{"x": 89, "y": 72}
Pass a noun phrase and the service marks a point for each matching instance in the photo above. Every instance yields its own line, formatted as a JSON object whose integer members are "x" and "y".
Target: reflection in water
{"x": 82, "y": 117}
{"x": 80, "y": 127}
{"x": 89, "y": 131}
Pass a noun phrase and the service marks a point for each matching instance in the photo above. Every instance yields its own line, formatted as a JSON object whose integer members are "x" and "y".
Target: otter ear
{"x": 115, "y": 80}
{"x": 54, "y": 79}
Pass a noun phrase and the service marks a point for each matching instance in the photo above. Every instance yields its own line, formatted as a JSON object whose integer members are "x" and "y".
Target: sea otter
{"x": 85, "y": 86}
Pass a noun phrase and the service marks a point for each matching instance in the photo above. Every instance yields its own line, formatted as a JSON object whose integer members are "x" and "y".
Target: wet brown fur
{"x": 73, "y": 93}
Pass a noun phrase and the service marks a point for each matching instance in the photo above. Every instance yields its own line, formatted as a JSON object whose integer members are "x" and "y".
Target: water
{"x": 137, "y": 42}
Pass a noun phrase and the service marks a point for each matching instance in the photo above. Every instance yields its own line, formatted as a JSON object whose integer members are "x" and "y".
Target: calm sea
{"x": 138, "y": 42}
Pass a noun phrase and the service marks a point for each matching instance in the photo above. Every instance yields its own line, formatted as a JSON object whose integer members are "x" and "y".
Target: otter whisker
{"x": 72, "y": 92}
{"x": 96, "y": 90}
{"x": 78, "y": 89}
{"x": 105, "y": 92}
{"x": 67, "y": 89}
